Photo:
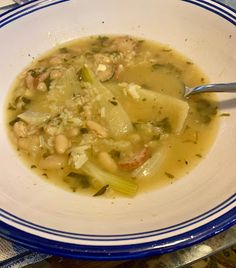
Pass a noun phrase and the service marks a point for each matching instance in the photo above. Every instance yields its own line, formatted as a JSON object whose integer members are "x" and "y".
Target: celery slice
{"x": 123, "y": 185}
{"x": 150, "y": 167}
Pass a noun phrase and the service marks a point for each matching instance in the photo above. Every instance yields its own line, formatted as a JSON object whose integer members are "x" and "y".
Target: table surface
{"x": 176, "y": 259}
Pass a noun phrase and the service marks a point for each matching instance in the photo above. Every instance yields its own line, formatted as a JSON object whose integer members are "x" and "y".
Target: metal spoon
{"x": 224, "y": 87}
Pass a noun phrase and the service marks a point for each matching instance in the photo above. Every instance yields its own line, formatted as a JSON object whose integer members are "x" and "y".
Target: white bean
{"x": 55, "y": 74}
{"x": 51, "y": 130}
{"x": 61, "y": 144}
{"x": 73, "y": 132}
{"x": 20, "y": 129}
{"x": 29, "y": 80}
{"x": 56, "y": 60}
{"x": 107, "y": 162}
{"x": 43, "y": 76}
{"x": 29, "y": 93}
{"x": 100, "y": 130}
{"x": 30, "y": 144}
{"x": 41, "y": 86}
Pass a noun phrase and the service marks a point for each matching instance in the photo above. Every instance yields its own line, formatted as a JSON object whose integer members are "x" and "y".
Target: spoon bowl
{"x": 223, "y": 87}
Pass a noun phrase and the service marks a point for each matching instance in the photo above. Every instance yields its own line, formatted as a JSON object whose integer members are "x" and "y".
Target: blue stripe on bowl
{"x": 17, "y": 7}
{"x": 30, "y": 7}
{"x": 219, "y": 2}
{"x": 22, "y": 11}
{"x": 25, "y": 11}
{"x": 119, "y": 252}
{"x": 88, "y": 237}
{"x": 215, "y": 4}
{"x": 222, "y": 13}
{"x": 125, "y": 251}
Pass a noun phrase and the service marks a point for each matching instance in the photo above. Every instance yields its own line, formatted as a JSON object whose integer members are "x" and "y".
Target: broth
{"x": 105, "y": 115}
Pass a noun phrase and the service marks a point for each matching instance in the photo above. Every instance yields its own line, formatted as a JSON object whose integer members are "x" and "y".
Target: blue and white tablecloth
{"x": 14, "y": 256}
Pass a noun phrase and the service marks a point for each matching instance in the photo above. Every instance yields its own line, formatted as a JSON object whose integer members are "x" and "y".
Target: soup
{"x": 105, "y": 115}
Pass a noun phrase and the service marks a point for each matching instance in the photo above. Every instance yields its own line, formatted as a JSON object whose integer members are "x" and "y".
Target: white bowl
{"x": 43, "y": 217}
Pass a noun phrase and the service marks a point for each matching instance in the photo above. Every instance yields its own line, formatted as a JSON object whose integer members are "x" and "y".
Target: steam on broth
{"x": 105, "y": 115}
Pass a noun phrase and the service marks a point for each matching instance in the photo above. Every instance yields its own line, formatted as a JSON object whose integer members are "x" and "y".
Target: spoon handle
{"x": 223, "y": 87}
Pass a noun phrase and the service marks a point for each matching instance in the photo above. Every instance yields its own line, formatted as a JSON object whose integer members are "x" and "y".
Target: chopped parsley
{"x": 33, "y": 166}
{"x": 113, "y": 102}
{"x": 164, "y": 124}
{"x": 199, "y": 155}
{"x": 48, "y": 82}
{"x": 225, "y": 114}
{"x": 169, "y": 67}
{"x": 115, "y": 154}
{"x": 84, "y": 130}
{"x": 34, "y": 73}
{"x": 206, "y": 110}
{"x": 101, "y": 191}
{"x": 83, "y": 179}
{"x": 63, "y": 50}
{"x": 169, "y": 175}
{"x": 12, "y": 122}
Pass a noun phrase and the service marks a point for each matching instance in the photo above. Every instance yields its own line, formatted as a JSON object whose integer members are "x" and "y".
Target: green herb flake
{"x": 34, "y": 73}
{"x": 46, "y": 154}
{"x": 164, "y": 124}
{"x": 141, "y": 41}
{"x": 169, "y": 67}
{"x": 114, "y": 53}
{"x": 12, "y": 122}
{"x": 206, "y": 110}
{"x": 99, "y": 44}
{"x": 145, "y": 86}
{"x": 84, "y": 130}
{"x": 156, "y": 137}
{"x": 101, "y": 191}
{"x": 48, "y": 82}
{"x": 63, "y": 50}
{"x": 45, "y": 175}
{"x": 169, "y": 175}
{"x": 33, "y": 166}
{"x": 73, "y": 188}
{"x": 225, "y": 114}
{"x": 26, "y": 100}
{"x": 199, "y": 155}
{"x": 102, "y": 39}
{"x": 11, "y": 107}
{"x": 115, "y": 154}
{"x": 189, "y": 63}
{"x": 158, "y": 66}
{"x": 83, "y": 179}
{"x": 113, "y": 102}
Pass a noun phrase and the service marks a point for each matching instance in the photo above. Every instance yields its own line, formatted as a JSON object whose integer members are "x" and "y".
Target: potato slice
{"x": 153, "y": 106}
